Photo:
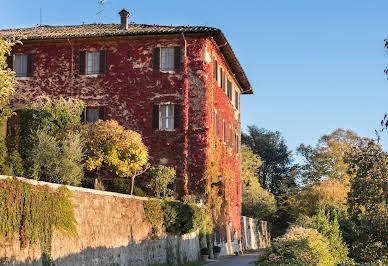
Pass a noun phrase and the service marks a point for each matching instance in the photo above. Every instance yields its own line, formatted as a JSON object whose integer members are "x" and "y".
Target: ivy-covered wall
{"x": 130, "y": 88}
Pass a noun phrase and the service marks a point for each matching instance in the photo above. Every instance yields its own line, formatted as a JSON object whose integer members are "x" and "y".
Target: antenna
{"x": 40, "y": 17}
{"x": 101, "y": 9}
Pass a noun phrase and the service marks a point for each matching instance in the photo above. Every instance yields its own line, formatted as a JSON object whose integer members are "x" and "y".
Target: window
{"x": 21, "y": 65}
{"x": 236, "y": 100}
{"x": 230, "y": 137}
{"x": 93, "y": 63}
{"x": 215, "y": 70}
{"x": 166, "y": 119}
{"x": 93, "y": 114}
{"x": 236, "y": 143}
{"x": 229, "y": 90}
{"x": 167, "y": 58}
{"x": 224, "y": 130}
{"x": 216, "y": 123}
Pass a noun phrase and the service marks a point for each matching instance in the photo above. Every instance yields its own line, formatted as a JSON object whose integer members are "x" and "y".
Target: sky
{"x": 315, "y": 66}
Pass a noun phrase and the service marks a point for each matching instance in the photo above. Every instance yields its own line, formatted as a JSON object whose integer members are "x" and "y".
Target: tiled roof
{"x": 106, "y": 30}
{"x": 99, "y": 30}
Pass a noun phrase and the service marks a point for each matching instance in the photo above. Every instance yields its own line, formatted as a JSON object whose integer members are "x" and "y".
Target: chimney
{"x": 124, "y": 15}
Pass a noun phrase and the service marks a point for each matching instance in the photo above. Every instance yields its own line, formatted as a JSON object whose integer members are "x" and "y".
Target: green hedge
{"x": 118, "y": 185}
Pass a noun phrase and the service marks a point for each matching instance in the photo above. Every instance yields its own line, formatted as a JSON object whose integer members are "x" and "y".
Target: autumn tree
{"x": 276, "y": 171}
{"x": 111, "y": 146}
{"x": 327, "y": 158}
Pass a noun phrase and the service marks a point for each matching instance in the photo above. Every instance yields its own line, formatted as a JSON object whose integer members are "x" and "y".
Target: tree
{"x": 327, "y": 158}
{"x": 158, "y": 180}
{"x": 111, "y": 146}
{"x": 7, "y": 77}
{"x": 273, "y": 151}
{"x": 367, "y": 201}
{"x": 258, "y": 203}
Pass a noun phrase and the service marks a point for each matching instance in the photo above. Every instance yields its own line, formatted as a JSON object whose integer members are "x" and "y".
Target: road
{"x": 241, "y": 260}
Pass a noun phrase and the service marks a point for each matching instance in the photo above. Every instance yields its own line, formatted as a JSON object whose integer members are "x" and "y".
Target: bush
{"x": 51, "y": 116}
{"x": 10, "y": 163}
{"x": 56, "y": 160}
{"x": 119, "y": 185}
{"x": 328, "y": 227}
{"x": 154, "y": 214}
{"x": 158, "y": 180}
{"x": 178, "y": 217}
{"x": 216, "y": 249}
{"x": 204, "y": 251}
{"x": 300, "y": 246}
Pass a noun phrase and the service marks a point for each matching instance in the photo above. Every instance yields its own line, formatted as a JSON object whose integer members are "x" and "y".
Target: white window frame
{"x": 168, "y": 59}
{"x": 168, "y": 117}
{"x": 94, "y": 63}
{"x": 21, "y": 65}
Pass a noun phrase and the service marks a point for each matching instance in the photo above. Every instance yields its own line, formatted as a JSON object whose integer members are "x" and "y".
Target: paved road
{"x": 242, "y": 260}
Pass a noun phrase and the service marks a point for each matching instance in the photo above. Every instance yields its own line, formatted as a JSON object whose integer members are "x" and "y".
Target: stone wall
{"x": 112, "y": 230}
{"x": 254, "y": 234}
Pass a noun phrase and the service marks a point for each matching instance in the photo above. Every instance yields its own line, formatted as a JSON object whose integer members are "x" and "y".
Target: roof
{"x": 108, "y": 30}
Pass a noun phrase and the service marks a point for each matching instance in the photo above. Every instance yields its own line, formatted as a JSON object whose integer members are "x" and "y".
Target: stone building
{"x": 178, "y": 86}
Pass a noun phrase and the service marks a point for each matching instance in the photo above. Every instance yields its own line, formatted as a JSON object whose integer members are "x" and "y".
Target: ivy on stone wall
{"x": 33, "y": 213}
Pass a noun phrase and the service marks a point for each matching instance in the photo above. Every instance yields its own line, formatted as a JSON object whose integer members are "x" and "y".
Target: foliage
{"x": 154, "y": 214}
{"x": 216, "y": 249}
{"x": 330, "y": 228}
{"x": 177, "y": 218}
{"x": 258, "y": 203}
{"x": 300, "y": 246}
{"x": 7, "y": 77}
{"x": 51, "y": 116}
{"x": 204, "y": 251}
{"x": 57, "y": 160}
{"x": 119, "y": 185}
{"x": 158, "y": 180}
{"x": 327, "y": 158}
{"x": 28, "y": 211}
{"x": 367, "y": 202}
{"x": 119, "y": 150}
{"x": 276, "y": 173}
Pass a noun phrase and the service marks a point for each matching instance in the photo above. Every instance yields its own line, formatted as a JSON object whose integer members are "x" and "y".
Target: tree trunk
{"x": 132, "y": 182}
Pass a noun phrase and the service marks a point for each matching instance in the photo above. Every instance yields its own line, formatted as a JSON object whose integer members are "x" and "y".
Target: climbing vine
{"x": 33, "y": 213}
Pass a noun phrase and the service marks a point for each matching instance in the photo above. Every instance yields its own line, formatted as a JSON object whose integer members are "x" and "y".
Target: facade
{"x": 179, "y": 87}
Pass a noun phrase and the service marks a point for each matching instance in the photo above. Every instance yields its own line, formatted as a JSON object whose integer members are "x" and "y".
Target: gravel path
{"x": 241, "y": 260}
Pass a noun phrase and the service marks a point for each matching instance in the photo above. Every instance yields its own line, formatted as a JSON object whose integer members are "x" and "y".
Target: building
{"x": 179, "y": 86}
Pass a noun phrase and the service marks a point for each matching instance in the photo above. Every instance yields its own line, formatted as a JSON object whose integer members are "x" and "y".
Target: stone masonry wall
{"x": 254, "y": 234}
{"x": 112, "y": 230}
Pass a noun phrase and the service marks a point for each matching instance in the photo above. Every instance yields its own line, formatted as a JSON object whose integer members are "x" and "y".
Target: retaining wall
{"x": 112, "y": 230}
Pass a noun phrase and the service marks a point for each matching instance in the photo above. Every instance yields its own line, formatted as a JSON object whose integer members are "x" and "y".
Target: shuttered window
{"x": 236, "y": 96}
{"x": 167, "y": 58}
{"x": 229, "y": 90}
{"x": 216, "y": 123}
{"x": 230, "y": 137}
{"x": 93, "y": 114}
{"x": 224, "y": 130}
{"x": 92, "y": 62}
{"x": 166, "y": 116}
{"x": 21, "y": 65}
{"x": 215, "y": 70}
{"x": 237, "y": 143}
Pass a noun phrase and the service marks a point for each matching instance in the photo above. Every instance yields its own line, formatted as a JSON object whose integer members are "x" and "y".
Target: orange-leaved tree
{"x": 111, "y": 146}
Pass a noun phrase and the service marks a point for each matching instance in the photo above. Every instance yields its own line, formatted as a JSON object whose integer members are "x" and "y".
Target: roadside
{"x": 241, "y": 260}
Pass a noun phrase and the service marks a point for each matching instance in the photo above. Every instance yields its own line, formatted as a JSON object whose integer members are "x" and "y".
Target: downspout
{"x": 71, "y": 69}
{"x": 185, "y": 120}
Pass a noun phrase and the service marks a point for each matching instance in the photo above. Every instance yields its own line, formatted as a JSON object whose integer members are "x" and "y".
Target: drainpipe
{"x": 185, "y": 120}
{"x": 71, "y": 69}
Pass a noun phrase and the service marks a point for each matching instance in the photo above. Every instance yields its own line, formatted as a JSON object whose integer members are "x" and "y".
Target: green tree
{"x": 367, "y": 202}
{"x": 258, "y": 203}
{"x": 276, "y": 173}
{"x": 158, "y": 180}
{"x": 111, "y": 146}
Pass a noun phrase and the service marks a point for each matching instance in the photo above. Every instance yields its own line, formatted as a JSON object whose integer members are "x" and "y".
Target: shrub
{"x": 158, "y": 180}
{"x": 204, "y": 251}
{"x": 300, "y": 246}
{"x": 328, "y": 227}
{"x": 178, "y": 217}
{"x": 51, "y": 116}
{"x": 201, "y": 219}
{"x": 56, "y": 160}
{"x": 154, "y": 214}
{"x": 216, "y": 249}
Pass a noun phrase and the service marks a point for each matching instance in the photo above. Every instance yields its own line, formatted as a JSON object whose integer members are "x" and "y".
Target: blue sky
{"x": 314, "y": 65}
